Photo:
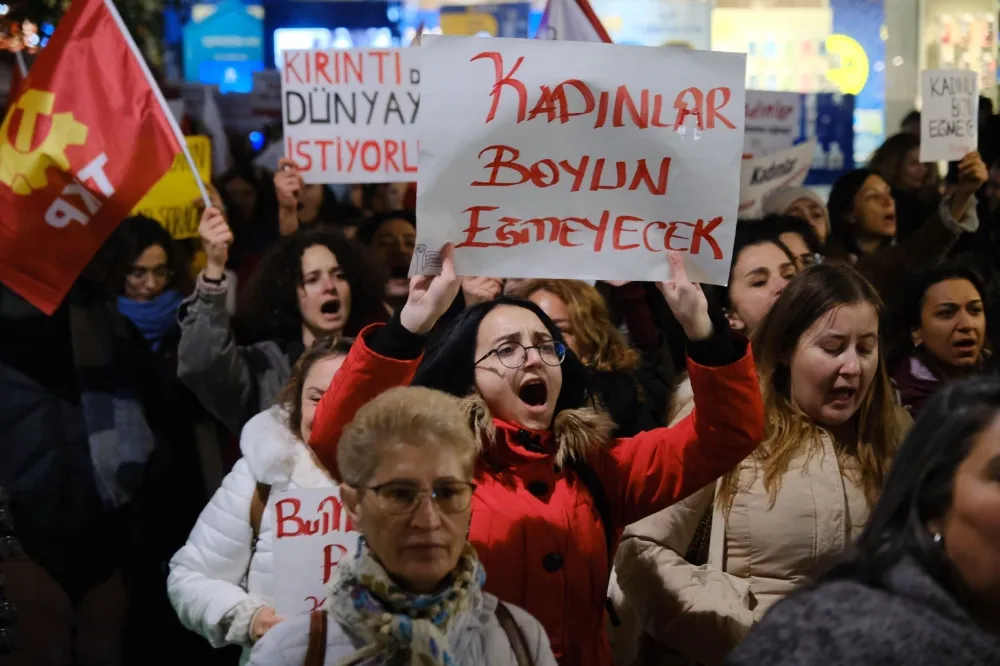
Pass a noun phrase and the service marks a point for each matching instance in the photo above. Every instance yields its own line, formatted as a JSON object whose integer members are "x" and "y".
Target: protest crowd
{"x": 350, "y": 421}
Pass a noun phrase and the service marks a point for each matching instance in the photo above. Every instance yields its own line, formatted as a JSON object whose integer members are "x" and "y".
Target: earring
{"x": 938, "y": 540}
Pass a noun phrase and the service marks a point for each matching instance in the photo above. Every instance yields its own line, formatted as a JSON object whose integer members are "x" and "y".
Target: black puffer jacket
{"x": 46, "y": 465}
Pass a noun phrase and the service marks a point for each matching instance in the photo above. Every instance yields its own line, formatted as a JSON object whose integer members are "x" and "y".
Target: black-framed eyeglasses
{"x": 400, "y": 498}
{"x": 514, "y": 354}
{"x": 139, "y": 273}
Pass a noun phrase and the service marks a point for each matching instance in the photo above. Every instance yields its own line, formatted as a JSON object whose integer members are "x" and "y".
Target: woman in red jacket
{"x": 553, "y": 489}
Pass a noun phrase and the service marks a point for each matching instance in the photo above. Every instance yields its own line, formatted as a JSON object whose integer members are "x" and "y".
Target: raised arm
{"x": 382, "y": 357}
{"x": 935, "y": 237}
{"x": 208, "y": 360}
{"x": 654, "y": 469}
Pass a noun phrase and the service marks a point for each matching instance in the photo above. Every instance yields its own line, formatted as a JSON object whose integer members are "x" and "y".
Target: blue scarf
{"x": 155, "y": 318}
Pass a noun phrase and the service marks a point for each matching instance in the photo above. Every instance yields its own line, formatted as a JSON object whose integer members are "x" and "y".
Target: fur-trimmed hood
{"x": 275, "y": 455}
{"x": 577, "y": 432}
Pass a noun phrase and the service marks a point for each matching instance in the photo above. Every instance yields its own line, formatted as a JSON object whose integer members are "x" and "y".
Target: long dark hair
{"x": 133, "y": 237}
{"x": 448, "y": 361}
{"x": 269, "y": 307}
{"x": 841, "y": 209}
{"x": 888, "y": 160}
{"x": 920, "y": 485}
{"x": 909, "y": 317}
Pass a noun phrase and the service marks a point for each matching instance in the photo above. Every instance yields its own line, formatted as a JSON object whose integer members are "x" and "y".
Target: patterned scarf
{"x": 364, "y": 598}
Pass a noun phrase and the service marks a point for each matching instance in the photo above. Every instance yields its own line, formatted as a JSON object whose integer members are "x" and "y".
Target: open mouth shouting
{"x": 331, "y": 309}
{"x": 534, "y": 394}
{"x": 842, "y": 396}
{"x": 965, "y": 347}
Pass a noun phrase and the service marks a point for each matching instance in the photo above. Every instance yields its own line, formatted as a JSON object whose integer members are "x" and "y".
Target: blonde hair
{"x": 788, "y": 430}
{"x": 602, "y": 346}
{"x": 413, "y": 416}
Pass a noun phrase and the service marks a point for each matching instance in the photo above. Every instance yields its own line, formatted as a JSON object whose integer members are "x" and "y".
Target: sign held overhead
{"x": 949, "y": 120}
{"x": 349, "y": 115}
{"x": 578, "y": 160}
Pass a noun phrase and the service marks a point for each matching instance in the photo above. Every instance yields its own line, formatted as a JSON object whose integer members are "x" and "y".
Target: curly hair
{"x": 602, "y": 346}
{"x": 269, "y": 307}
{"x": 290, "y": 397}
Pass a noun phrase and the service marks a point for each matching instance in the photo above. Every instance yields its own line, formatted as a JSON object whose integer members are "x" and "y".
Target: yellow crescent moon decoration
{"x": 852, "y": 75}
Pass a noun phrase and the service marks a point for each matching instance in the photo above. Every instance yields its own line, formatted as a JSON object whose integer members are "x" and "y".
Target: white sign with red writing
{"x": 313, "y": 533}
{"x": 762, "y": 175}
{"x": 773, "y": 121}
{"x": 349, "y": 114}
{"x": 949, "y": 119}
{"x": 576, "y": 160}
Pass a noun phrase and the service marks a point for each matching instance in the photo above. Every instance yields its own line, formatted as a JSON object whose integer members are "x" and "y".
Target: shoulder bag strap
{"x": 257, "y": 505}
{"x": 316, "y": 653}
{"x": 514, "y": 635}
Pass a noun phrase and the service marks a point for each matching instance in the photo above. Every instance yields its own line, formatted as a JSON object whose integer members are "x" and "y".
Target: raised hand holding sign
{"x": 686, "y": 300}
{"x": 431, "y": 296}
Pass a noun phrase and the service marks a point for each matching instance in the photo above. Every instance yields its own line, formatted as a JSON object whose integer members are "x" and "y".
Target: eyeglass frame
{"x": 421, "y": 493}
{"x": 538, "y": 347}
{"x": 159, "y": 272}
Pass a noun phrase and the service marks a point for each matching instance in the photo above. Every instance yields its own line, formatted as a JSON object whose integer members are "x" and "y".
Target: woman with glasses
{"x": 413, "y": 592}
{"x": 554, "y": 489}
{"x": 633, "y": 385}
{"x": 863, "y": 219}
{"x": 150, "y": 279}
{"x": 221, "y": 582}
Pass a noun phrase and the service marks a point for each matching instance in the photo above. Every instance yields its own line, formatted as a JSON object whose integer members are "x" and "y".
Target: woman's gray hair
{"x": 413, "y": 416}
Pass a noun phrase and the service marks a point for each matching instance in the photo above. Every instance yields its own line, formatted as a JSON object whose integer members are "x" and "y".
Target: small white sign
{"x": 949, "y": 119}
{"x": 762, "y": 175}
{"x": 577, "y": 160}
{"x": 773, "y": 121}
{"x": 349, "y": 115}
{"x": 313, "y": 533}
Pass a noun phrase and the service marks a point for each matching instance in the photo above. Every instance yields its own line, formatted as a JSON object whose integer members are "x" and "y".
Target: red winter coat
{"x": 534, "y": 524}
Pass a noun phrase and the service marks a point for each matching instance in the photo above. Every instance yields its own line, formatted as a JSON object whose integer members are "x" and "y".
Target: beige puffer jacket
{"x": 675, "y": 613}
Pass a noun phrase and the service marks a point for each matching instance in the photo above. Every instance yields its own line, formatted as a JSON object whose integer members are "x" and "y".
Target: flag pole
{"x": 20, "y": 64}
{"x": 159, "y": 98}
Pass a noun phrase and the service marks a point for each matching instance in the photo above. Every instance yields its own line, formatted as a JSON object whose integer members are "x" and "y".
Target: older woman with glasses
{"x": 554, "y": 488}
{"x": 412, "y": 594}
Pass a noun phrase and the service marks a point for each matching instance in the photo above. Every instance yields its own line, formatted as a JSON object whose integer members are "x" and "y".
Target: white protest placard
{"x": 552, "y": 159}
{"x": 949, "y": 119}
{"x": 773, "y": 121}
{"x": 349, "y": 114}
{"x": 313, "y": 533}
{"x": 762, "y": 175}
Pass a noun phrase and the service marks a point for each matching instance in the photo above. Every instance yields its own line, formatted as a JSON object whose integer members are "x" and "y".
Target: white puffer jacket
{"x": 214, "y": 585}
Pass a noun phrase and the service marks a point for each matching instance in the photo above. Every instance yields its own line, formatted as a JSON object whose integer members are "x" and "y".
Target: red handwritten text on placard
{"x": 332, "y": 554}
{"x": 332, "y": 517}
{"x": 761, "y": 111}
{"x": 554, "y": 104}
{"x": 371, "y": 156}
{"x": 546, "y": 173}
{"x": 609, "y": 233}
{"x": 343, "y": 67}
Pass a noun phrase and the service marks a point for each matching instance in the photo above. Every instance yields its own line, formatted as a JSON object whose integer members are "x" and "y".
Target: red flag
{"x": 87, "y": 136}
